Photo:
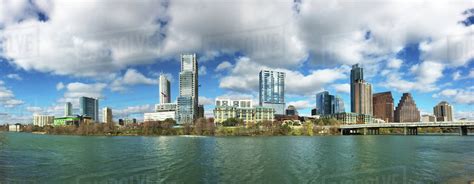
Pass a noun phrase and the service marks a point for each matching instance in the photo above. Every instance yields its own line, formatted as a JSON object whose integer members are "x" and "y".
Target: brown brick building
{"x": 406, "y": 110}
{"x": 383, "y": 106}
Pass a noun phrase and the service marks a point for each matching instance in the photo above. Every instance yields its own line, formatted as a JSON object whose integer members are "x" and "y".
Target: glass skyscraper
{"x": 90, "y": 107}
{"x": 328, "y": 104}
{"x": 361, "y": 92}
{"x": 188, "y": 90}
{"x": 272, "y": 90}
{"x": 165, "y": 92}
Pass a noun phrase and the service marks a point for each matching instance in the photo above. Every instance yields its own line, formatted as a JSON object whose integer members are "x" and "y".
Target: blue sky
{"x": 51, "y": 53}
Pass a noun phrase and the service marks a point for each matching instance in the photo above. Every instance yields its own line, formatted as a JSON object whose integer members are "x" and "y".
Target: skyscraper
{"x": 68, "y": 109}
{"x": 406, "y": 110}
{"x": 328, "y": 104}
{"x": 383, "y": 106}
{"x": 272, "y": 90}
{"x": 164, "y": 89}
{"x": 107, "y": 115}
{"x": 188, "y": 90}
{"x": 443, "y": 111}
{"x": 90, "y": 107}
{"x": 361, "y": 92}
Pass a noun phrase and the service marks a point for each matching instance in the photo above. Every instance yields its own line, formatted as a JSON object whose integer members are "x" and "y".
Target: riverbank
{"x": 160, "y": 129}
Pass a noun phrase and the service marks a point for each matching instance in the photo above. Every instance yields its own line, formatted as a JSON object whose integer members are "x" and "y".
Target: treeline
{"x": 202, "y": 126}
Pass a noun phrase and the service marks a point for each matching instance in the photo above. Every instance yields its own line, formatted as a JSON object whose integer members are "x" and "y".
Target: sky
{"x": 54, "y": 51}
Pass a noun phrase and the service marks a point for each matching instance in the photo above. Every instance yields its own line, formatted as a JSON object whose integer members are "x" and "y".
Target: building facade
{"x": 68, "y": 109}
{"x": 428, "y": 118}
{"x": 165, "y": 90}
{"x": 361, "y": 92}
{"x": 383, "y": 106}
{"x": 291, "y": 111}
{"x": 241, "y": 109}
{"x": 159, "y": 116}
{"x": 443, "y": 111}
{"x": 43, "y": 120}
{"x": 107, "y": 115}
{"x": 187, "y": 109}
{"x": 406, "y": 110}
{"x": 272, "y": 90}
{"x": 350, "y": 118}
{"x": 90, "y": 107}
{"x": 328, "y": 104}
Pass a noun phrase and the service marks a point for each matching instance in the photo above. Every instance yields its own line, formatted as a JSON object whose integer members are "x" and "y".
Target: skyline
{"x": 125, "y": 77}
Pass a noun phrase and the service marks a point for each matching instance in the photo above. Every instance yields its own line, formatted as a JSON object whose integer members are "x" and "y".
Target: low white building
{"x": 14, "y": 128}
{"x": 42, "y": 120}
{"x": 428, "y": 118}
{"x": 159, "y": 116}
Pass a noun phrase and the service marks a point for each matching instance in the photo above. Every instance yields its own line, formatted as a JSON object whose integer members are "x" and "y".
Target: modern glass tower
{"x": 272, "y": 90}
{"x": 90, "y": 107}
{"x": 328, "y": 104}
{"x": 165, "y": 91}
{"x": 188, "y": 90}
{"x": 68, "y": 109}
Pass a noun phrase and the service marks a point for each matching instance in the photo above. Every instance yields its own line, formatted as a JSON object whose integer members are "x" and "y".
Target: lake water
{"x": 30, "y": 158}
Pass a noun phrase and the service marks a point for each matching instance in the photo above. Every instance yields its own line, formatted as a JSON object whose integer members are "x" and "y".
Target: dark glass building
{"x": 383, "y": 106}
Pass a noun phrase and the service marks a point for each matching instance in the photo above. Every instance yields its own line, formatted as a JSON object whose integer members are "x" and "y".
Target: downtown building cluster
{"x": 365, "y": 106}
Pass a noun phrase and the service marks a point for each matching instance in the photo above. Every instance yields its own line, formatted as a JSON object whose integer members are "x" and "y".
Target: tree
{"x": 232, "y": 122}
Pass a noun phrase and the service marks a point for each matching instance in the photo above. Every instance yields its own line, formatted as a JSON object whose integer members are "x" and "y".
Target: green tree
{"x": 232, "y": 122}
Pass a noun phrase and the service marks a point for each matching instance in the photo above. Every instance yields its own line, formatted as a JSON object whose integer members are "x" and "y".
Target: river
{"x": 31, "y": 158}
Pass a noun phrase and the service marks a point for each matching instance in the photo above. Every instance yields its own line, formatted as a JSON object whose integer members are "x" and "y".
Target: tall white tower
{"x": 165, "y": 92}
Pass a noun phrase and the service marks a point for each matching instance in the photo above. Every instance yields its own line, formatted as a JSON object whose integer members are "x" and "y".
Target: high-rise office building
{"x": 187, "y": 110}
{"x": 361, "y": 92}
{"x": 107, "y": 115}
{"x": 90, "y": 107}
{"x": 68, "y": 109}
{"x": 328, "y": 104}
{"x": 165, "y": 92}
{"x": 406, "y": 110}
{"x": 443, "y": 111}
{"x": 272, "y": 90}
{"x": 383, "y": 106}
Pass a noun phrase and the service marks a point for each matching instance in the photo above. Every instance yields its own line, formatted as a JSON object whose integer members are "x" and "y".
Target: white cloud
{"x": 456, "y": 75}
{"x": 394, "y": 63}
{"x": 206, "y": 101}
{"x": 14, "y": 76}
{"x": 76, "y": 90}
{"x": 469, "y": 115}
{"x": 69, "y": 43}
{"x": 302, "y": 104}
{"x": 130, "y": 78}
{"x": 133, "y": 110}
{"x": 461, "y": 96}
{"x": 425, "y": 75}
{"x": 342, "y": 88}
{"x": 244, "y": 78}
{"x": 7, "y": 98}
{"x": 202, "y": 70}
{"x": 60, "y": 86}
{"x": 223, "y": 66}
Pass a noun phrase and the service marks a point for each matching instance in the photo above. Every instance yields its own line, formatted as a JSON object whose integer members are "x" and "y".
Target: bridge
{"x": 410, "y": 128}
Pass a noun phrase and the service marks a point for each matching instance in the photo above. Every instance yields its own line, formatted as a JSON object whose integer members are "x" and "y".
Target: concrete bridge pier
{"x": 411, "y": 131}
{"x": 463, "y": 130}
{"x": 371, "y": 131}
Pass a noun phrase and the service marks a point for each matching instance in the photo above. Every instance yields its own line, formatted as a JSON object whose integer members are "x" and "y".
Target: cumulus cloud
{"x": 223, "y": 66}
{"x": 14, "y": 76}
{"x": 342, "y": 88}
{"x": 394, "y": 63}
{"x": 244, "y": 78}
{"x": 7, "y": 97}
{"x": 69, "y": 43}
{"x": 76, "y": 90}
{"x": 425, "y": 75}
{"x": 206, "y": 101}
{"x": 461, "y": 96}
{"x": 130, "y": 78}
{"x": 60, "y": 86}
{"x": 302, "y": 104}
